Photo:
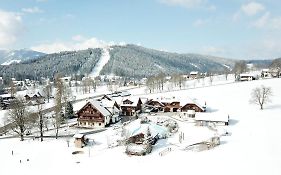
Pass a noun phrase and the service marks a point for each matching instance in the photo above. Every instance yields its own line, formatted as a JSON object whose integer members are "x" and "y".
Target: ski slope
{"x": 103, "y": 60}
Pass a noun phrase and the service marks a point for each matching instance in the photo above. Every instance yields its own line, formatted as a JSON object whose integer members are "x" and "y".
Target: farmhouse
{"x": 113, "y": 108}
{"x": 130, "y": 106}
{"x": 265, "y": 73}
{"x": 34, "y": 96}
{"x": 246, "y": 77}
{"x": 175, "y": 104}
{"x": 193, "y": 74}
{"x": 93, "y": 115}
{"x": 192, "y": 105}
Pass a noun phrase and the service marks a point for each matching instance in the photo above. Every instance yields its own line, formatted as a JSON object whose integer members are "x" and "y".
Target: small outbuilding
{"x": 79, "y": 140}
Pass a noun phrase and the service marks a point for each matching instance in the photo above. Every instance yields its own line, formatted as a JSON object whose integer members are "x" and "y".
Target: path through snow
{"x": 103, "y": 60}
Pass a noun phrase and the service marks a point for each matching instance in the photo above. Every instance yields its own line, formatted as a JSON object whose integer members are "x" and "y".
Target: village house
{"x": 246, "y": 77}
{"x": 131, "y": 106}
{"x": 93, "y": 115}
{"x": 189, "y": 104}
{"x": 155, "y": 105}
{"x": 113, "y": 108}
{"x": 265, "y": 73}
{"x": 275, "y": 72}
{"x": 193, "y": 74}
{"x": 33, "y": 96}
{"x": 175, "y": 105}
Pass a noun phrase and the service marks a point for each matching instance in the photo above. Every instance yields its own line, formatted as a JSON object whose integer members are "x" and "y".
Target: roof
{"x": 78, "y": 136}
{"x": 135, "y": 128}
{"x": 182, "y": 99}
{"x": 100, "y": 108}
{"x": 193, "y": 73}
{"x": 214, "y": 117}
{"x": 132, "y": 99}
{"x": 246, "y": 75}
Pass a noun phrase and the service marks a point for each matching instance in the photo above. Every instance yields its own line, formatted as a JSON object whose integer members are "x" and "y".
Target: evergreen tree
{"x": 69, "y": 110}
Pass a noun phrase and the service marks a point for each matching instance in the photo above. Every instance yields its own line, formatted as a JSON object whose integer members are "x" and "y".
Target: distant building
{"x": 246, "y": 77}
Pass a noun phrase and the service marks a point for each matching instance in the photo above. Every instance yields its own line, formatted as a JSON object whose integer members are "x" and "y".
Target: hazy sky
{"x": 241, "y": 29}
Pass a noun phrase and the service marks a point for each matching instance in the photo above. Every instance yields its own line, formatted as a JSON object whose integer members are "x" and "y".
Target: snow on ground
{"x": 252, "y": 148}
{"x": 103, "y": 60}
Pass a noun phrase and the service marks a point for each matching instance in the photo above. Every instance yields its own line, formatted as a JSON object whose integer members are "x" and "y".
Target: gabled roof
{"x": 134, "y": 101}
{"x": 78, "y": 136}
{"x": 98, "y": 106}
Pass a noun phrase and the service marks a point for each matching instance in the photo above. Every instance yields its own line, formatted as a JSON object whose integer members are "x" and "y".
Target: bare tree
{"x": 13, "y": 89}
{"x": 48, "y": 91}
{"x": 261, "y": 95}
{"x": 226, "y": 73}
{"x": 211, "y": 77}
{"x": 41, "y": 121}
{"x": 178, "y": 80}
{"x": 239, "y": 67}
{"x": 58, "y": 104}
{"x": 150, "y": 83}
{"x": 18, "y": 118}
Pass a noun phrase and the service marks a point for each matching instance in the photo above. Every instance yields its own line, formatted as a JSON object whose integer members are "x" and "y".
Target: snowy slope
{"x": 8, "y": 57}
{"x": 253, "y": 147}
{"x": 105, "y": 57}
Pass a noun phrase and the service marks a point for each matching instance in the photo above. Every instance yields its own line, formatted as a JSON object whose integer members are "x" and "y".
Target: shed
{"x": 203, "y": 119}
{"x": 79, "y": 140}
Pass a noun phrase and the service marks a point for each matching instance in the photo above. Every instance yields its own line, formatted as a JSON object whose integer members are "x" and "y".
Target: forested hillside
{"x": 66, "y": 63}
{"x": 139, "y": 61}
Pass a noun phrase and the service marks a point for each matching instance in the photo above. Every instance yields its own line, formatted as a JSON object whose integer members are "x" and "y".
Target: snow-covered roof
{"x": 107, "y": 103}
{"x": 183, "y": 100}
{"x": 135, "y": 128}
{"x": 246, "y": 75}
{"x": 78, "y": 136}
{"x": 265, "y": 70}
{"x": 215, "y": 117}
{"x": 5, "y": 95}
{"x": 132, "y": 99}
{"x": 99, "y": 107}
{"x": 193, "y": 72}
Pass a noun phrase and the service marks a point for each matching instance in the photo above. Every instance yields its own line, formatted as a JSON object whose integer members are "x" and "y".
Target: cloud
{"x": 11, "y": 28}
{"x": 262, "y": 21}
{"x": 184, "y": 3}
{"x": 32, "y": 10}
{"x": 78, "y": 42}
{"x": 252, "y": 8}
{"x": 267, "y": 21}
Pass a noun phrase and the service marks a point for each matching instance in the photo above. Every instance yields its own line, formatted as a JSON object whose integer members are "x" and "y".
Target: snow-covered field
{"x": 253, "y": 147}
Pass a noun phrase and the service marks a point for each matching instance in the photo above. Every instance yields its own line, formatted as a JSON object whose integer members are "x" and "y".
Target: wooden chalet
{"x": 130, "y": 106}
{"x": 193, "y": 106}
{"x": 35, "y": 96}
{"x": 93, "y": 115}
{"x": 172, "y": 107}
{"x": 155, "y": 104}
{"x": 175, "y": 105}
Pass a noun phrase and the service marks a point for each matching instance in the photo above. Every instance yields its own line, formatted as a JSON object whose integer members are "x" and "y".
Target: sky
{"x": 238, "y": 29}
